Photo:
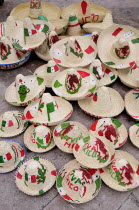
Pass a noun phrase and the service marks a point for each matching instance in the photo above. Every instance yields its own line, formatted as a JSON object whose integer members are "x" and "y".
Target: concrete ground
{"x": 124, "y": 12}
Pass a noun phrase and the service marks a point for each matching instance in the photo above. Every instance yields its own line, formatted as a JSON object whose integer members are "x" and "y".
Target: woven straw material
{"x": 134, "y": 134}
{"x": 39, "y": 139}
{"x": 81, "y": 191}
{"x": 110, "y": 128}
{"x": 118, "y": 46}
{"x": 35, "y": 176}
{"x": 67, "y": 134}
{"x": 12, "y": 153}
{"x": 105, "y": 102}
{"x": 123, "y": 173}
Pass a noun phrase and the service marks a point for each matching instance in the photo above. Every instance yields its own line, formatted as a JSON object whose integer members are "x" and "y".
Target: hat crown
{"x": 74, "y": 26}
{"x": 10, "y": 25}
{"x": 52, "y": 67}
{"x": 27, "y": 23}
{"x": 32, "y": 167}
{"x": 121, "y": 48}
{"x": 42, "y": 135}
{"x": 72, "y": 131}
{"x": 35, "y": 8}
{"x": 108, "y": 20}
{"x": 53, "y": 38}
{"x": 5, "y": 147}
{"x": 97, "y": 69}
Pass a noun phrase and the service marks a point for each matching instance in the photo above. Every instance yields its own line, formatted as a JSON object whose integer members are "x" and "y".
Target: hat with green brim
{"x": 134, "y": 134}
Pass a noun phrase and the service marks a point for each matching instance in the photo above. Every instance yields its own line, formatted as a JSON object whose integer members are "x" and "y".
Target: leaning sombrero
{"x": 134, "y": 134}
{"x": 118, "y": 46}
{"x": 104, "y": 102}
{"x": 50, "y": 110}
{"x": 24, "y": 90}
{"x": 123, "y": 173}
{"x": 85, "y": 183}
{"x": 35, "y": 176}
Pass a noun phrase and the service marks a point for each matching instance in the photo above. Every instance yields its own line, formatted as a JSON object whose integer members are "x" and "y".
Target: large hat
{"x": 85, "y": 12}
{"x": 104, "y": 75}
{"x": 24, "y": 90}
{"x": 12, "y": 123}
{"x": 78, "y": 184}
{"x": 35, "y": 176}
{"x": 50, "y": 110}
{"x": 74, "y": 51}
{"x": 36, "y": 8}
{"x": 111, "y": 129}
{"x": 105, "y": 102}
{"x": 67, "y": 134}
{"x": 123, "y": 173}
{"x": 134, "y": 134}
{"x": 118, "y": 46}
{"x": 38, "y": 139}
{"x": 74, "y": 84}
{"x": 12, "y": 153}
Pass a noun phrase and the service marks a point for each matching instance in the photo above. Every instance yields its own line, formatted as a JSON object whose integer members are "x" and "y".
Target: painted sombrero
{"x": 38, "y": 139}
{"x": 50, "y": 110}
{"x": 111, "y": 129}
{"x": 118, "y": 46}
{"x": 134, "y": 134}
{"x": 24, "y": 90}
{"x": 12, "y": 123}
{"x": 12, "y": 153}
{"x": 35, "y": 176}
{"x": 104, "y": 75}
{"x": 123, "y": 173}
{"x": 78, "y": 184}
{"x": 104, "y": 102}
{"x": 74, "y": 84}
{"x": 67, "y": 134}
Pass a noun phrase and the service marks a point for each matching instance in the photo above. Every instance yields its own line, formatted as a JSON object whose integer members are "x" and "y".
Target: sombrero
{"x": 24, "y": 90}
{"x": 103, "y": 75}
{"x": 74, "y": 84}
{"x": 74, "y": 51}
{"x": 38, "y": 139}
{"x": 78, "y": 184}
{"x": 36, "y": 8}
{"x": 12, "y": 123}
{"x": 94, "y": 153}
{"x": 134, "y": 134}
{"x": 12, "y": 153}
{"x": 111, "y": 129}
{"x": 50, "y": 110}
{"x": 132, "y": 103}
{"x": 67, "y": 134}
{"x": 118, "y": 46}
{"x": 105, "y": 102}
{"x": 85, "y": 12}
{"x": 35, "y": 176}
{"x": 123, "y": 173}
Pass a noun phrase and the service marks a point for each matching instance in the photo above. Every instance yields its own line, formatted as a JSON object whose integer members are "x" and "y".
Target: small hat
{"x": 134, "y": 134}
{"x": 50, "y": 110}
{"x": 118, "y": 46}
{"x": 12, "y": 123}
{"x": 24, "y": 90}
{"x": 104, "y": 75}
{"x": 74, "y": 84}
{"x": 38, "y": 139}
{"x": 78, "y": 184}
{"x": 35, "y": 176}
{"x": 105, "y": 102}
{"x": 123, "y": 173}
{"x": 74, "y": 51}
{"x": 67, "y": 134}
{"x": 12, "y": 153}
{"x": 111, "y": 129}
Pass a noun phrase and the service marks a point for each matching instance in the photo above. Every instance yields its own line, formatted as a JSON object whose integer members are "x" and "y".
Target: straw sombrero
{"x": 50, "y": 110}
{"x": 12, "y": 153}
{"x": 35, "y": 176}
{"x": 95, "y": 152}
{"x": 118, "y": 46}
{"x": 103, "y": 75}
{"x": 74, "y": 51}
{"x": 111, "y": 129}
{"x": 12, "y": 123}
{"x": 105, "y": 102}
{"x": 134, "y": 134}
{"x": 24, "y": 90}
{"x": 132, "y": 103}
{"x": 78, "y": 184}
{"x": 123, "y": 173}
{"x": 85, "y": 12}
{"x": 67, "y": 134}
{"x": 38, "y": 139}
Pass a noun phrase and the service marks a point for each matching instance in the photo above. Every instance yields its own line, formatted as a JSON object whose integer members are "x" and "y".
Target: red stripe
{"x": 8, "y": 156}
{"x": 83, "y": 74}
{"x": 56, "y": 60}
{"x": 112, "y": 157}
{"x": 77, "y": 24}
{"x": 33, "y": 179}
{"x": 66, "y": 197}
{"x": 117, "y": 31}
{"x": 56, "y": 68}
{"x": 107, "y": 71}
{"x": 89, "y": 50}
{"x": 53, "y": 173}
{"x": 137, "y": 170}
{"x": 101, "y": 170}
{"x": 19, "y": 176}
{"x": 94, "y": 126}
{"x": 22, "y": 152}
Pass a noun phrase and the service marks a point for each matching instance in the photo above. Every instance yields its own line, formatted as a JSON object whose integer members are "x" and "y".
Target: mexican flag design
{"x": 45, "y": 142}
{"x": 59, "y": 128}
{"x": 5, "y": 51}
{"x": 98, "y": 71}
{"x": 77, "y": 51}
{"x": 73, "y": 83}
{"x": 5, "y": 158}
{"x": 110, "y": 73}
{"x": 42, "y": 28}
{"x": 123, "y": 52}
{"x": 51, "y": 107}
{"x": 136, "y": 93}
{"x": 73, "y": 22}
{"x": 4, "y": 124}
{"x": 29, "y": 32}
{"x": 52, "y": 69}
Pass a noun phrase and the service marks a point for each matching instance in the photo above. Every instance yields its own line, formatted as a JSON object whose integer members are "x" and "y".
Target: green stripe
{"x": 26, "y": 176}
{"x": 72, "y": 18}
{"x": 41, "y": 192}
{"x": 65, "y": 125}
{"x": 109, "y": 63}
{"x": 49, "y": 69}
{"x": 26, "y": 32}
{"x": 135, "y": 41}
{"x": 41, "y": 17}
{"x": 59, "y": 181}
{"x": 116, "y": 122}
{"x": 1, "y": 159}
{"x": 57, "y": 84}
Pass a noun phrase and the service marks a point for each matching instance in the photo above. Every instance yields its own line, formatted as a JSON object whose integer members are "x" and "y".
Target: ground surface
{"x": 124, "y": 12}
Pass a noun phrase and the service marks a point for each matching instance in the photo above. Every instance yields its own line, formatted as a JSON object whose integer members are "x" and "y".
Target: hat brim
{"x": 133, "y": 135}
{"x": 93, "y": 27}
